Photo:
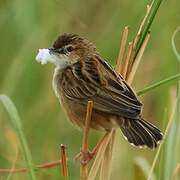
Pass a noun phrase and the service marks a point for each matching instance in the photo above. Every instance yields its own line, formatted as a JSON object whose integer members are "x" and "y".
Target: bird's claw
{"x": 84, "y": 157}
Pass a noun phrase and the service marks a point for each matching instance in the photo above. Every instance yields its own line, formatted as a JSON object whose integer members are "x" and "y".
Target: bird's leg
{"x": 85, "y": 157}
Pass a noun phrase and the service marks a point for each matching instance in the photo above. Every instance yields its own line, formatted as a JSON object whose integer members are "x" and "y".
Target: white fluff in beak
{"x": 44, "y": 56}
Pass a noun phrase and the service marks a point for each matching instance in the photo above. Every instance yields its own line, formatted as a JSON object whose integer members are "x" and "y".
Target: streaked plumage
{"x": 86, "y": 76}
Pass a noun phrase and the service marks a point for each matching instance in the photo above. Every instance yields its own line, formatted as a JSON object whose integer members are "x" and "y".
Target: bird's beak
{"x": 52, "y": 50}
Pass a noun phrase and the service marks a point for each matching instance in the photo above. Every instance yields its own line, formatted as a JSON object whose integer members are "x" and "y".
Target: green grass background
{"x": 26, "y": 26}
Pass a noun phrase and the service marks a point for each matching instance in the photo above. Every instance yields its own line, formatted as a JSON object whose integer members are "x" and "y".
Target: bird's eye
{"x": 69, "y": 48}
{"x": 60, "y": 51}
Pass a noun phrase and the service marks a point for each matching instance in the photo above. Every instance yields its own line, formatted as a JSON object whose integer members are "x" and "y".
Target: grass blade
{"x": 151, "y": 87}
{"x": 173, "y": 43}
{"x": 16, "y": 122}
{"x": 147, "y": 24}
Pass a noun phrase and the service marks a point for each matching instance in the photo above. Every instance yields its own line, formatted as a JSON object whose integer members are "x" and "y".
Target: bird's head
{"x": 67, "y": 50}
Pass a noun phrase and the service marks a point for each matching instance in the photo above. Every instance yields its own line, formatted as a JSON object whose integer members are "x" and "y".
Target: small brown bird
{"x": 82, "y": 75}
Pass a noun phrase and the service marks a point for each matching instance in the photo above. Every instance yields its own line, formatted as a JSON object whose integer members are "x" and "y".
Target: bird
{"x": 82, "y": 75}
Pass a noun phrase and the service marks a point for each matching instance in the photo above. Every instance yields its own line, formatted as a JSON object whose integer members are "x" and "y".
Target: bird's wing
{"x": 95, "y": 80}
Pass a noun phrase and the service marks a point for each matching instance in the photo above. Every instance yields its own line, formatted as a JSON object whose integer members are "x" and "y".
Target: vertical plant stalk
{"x": 64, "y": 161}
{"x": 138, "y": 59}
{"x": 99, "y": 156}
{"x": 105, "y": 171}
{"x": 84, "y": 155}
{"x": 122, "y": 49}
{"x": 127, "y": 61}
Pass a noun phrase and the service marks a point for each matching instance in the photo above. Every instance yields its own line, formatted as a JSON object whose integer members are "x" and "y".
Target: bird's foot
{"x": 85, "y": 156}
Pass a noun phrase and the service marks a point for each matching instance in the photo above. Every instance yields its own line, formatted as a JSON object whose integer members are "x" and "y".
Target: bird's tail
{"x": 140, "y": 133}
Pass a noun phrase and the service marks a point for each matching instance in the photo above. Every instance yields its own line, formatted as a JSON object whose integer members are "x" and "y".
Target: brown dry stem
{"x": 99, "y": 156}
{"x": 84, "y": 155}
{"x": 127, "y": 60}
{"x": 47, "y": 165}
{"x": 105, "y": 171}
{"x": 64, "y": 161}
{"x": 122, "y": 49}
{"x": 137, "y": 60}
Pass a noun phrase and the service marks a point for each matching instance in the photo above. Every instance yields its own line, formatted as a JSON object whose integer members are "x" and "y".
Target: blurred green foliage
{"x": 26, "y": 26}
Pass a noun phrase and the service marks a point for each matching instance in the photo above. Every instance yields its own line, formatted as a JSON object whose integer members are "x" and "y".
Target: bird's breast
{"x": 56, "y": 82}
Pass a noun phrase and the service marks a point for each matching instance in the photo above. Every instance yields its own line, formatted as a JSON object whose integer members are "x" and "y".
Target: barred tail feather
{"x": 140, "y": 133}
